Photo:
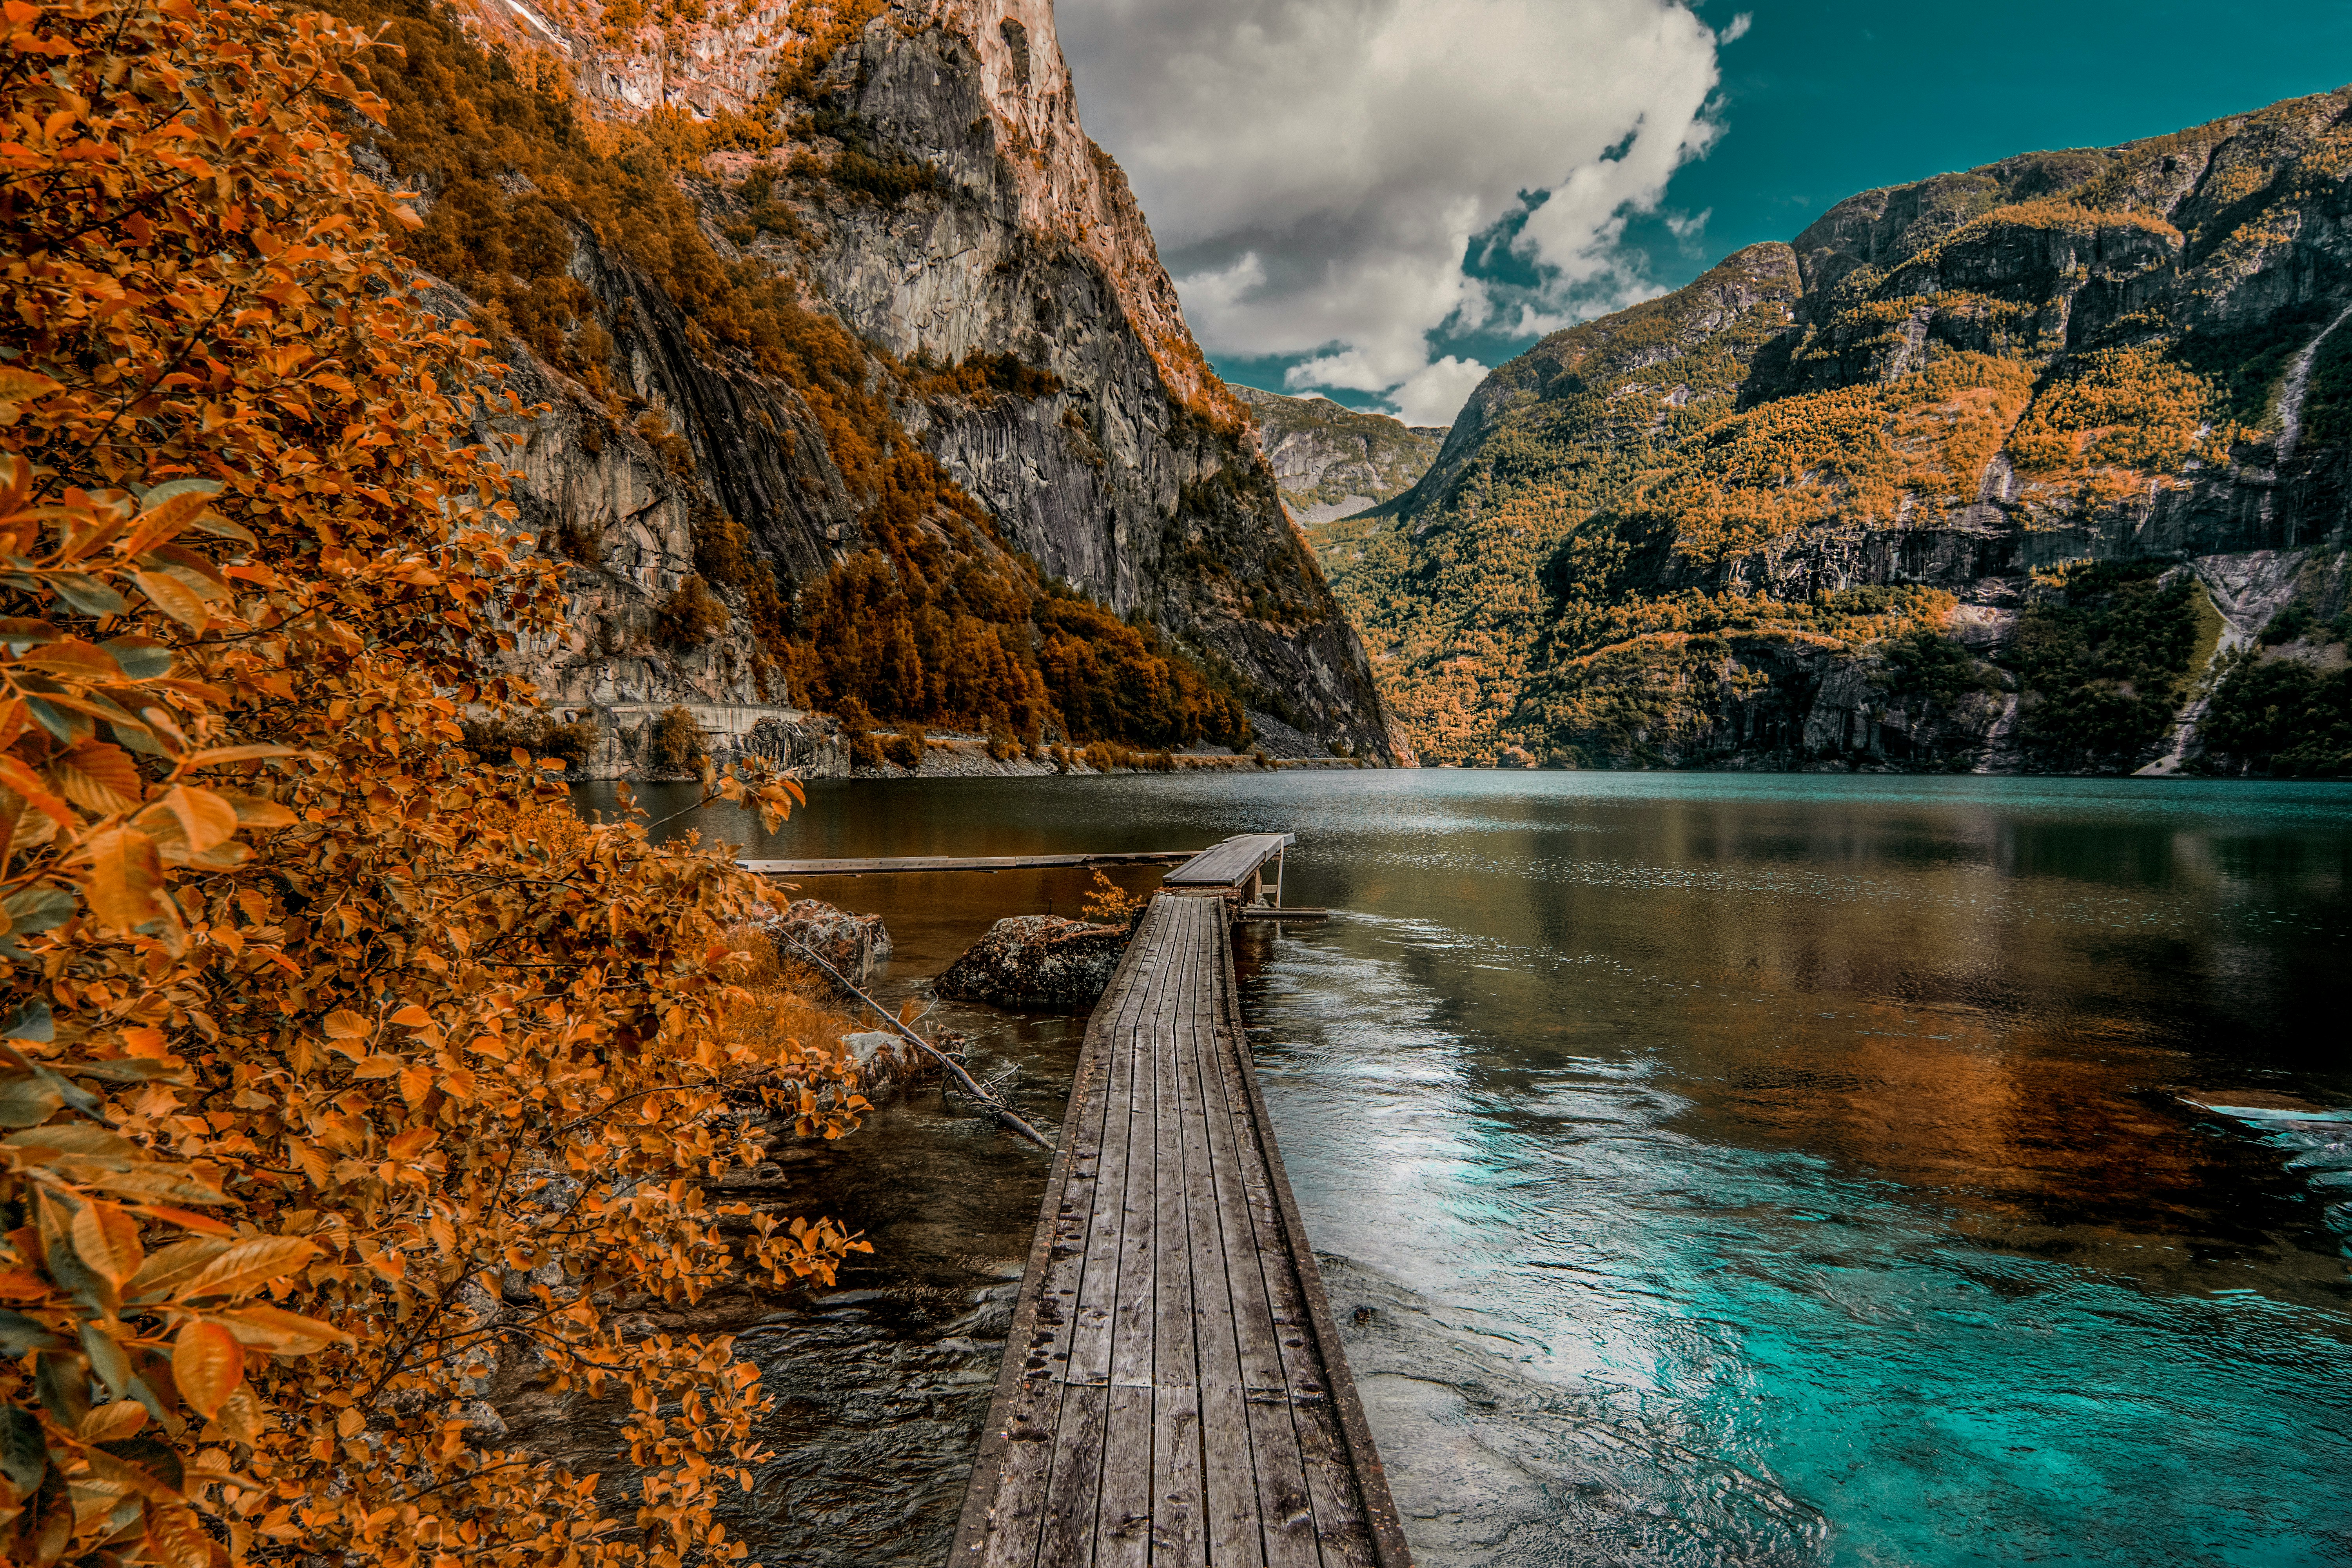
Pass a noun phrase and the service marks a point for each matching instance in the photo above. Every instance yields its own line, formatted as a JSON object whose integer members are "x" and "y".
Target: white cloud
{"x": 1739, "y": 28}
{"x": 1315, "y": 170}
{"x": 1435, "y": 394}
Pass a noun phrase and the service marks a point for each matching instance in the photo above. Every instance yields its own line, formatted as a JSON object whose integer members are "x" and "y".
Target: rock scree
{"x": 1036, "y": 960}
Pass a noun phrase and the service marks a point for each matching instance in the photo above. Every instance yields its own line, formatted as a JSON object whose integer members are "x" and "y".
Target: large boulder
{"x": 1036, "y": 960}
{"x": 852, "y": 944}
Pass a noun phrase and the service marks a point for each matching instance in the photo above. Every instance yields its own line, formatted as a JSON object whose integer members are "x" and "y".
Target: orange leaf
{"x": 207, "y": 1363}
{"x": 99, "y": 777}
{"x": 108, "y": 1240}
{"x": 219, "y": 754}
{"x": 125, "y": 881}
{"x": 207, "y": 819}
{"x": 28, "y": 784}
{"x": 249, "y": 1264}
{"x": 175, "y": 598}
{"x": 111, "y": 1422}
{"x": 74, "y": 658}
{"x": 344, "y": 1024}
{"x": 413, "y": 1017}
{"x": 279, "y": 1330}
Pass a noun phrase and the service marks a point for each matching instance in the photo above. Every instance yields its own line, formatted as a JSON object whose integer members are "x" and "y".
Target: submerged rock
{"x": 852, "y": 944}
{"x": 1036, "y": 960}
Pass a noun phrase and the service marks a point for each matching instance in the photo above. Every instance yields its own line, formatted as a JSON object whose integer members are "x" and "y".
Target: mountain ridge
{"x": 2010, "y": 469}
{"x": 1331, "y": 460}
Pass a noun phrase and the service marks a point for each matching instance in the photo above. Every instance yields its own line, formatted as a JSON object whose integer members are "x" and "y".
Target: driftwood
{"x": 988, "y": 1103}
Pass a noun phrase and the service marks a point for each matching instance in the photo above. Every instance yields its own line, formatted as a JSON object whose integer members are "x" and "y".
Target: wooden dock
{"x": 1173, "y": 1390}
{"x": 875, "y": 865}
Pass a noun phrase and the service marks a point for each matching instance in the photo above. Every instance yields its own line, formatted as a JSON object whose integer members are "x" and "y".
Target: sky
{"x": 1381, "y": 200}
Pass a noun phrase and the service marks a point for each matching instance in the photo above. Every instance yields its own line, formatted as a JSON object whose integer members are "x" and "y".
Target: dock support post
{"x": 1277, "y": 878}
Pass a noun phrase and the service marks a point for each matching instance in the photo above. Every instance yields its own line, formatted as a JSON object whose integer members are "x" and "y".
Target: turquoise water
{"x": 1737, "y": 1170}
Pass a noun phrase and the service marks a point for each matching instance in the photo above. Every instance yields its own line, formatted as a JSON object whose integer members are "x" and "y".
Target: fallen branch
{"x": 988, "y": 1103}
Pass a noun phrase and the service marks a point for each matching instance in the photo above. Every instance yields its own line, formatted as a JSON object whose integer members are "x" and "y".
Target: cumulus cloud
{"x": 1317, "y": 171}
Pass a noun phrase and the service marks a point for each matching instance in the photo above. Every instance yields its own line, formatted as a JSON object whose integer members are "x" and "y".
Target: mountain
{"x": 851, "y": 383}
{"x": 1330, "y": 460}
{"x": 2037, "y": 467}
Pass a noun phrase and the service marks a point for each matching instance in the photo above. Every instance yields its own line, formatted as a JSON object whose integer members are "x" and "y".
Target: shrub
{"x": 691, "y": 616}
{"x": 1109, "y": 904}
{"x": 317, "y": 1024}
{"x": 677, "y": 743}
{"x": 493, "y": 740}
{"x": 905, "y": 748}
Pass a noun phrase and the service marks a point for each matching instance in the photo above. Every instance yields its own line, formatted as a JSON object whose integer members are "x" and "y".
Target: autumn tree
{"x": 337, "y": 1064}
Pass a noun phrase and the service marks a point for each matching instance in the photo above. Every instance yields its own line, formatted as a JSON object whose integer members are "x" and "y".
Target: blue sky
{"x": 1812, "y": 102}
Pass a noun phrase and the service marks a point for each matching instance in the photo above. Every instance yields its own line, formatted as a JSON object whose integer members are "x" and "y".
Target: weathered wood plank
{"x": 1003, "y": 1498}
{"x": 1176, "y": 1541}
{"x": 1135, "y": 1313}
{"x": 1123, "y": 1517}
{"x": 1075, "y": 1484}
{"x": 1222, "y": 1269}
{"x": 1099, "y": 1286}
{"x": 863, "y": 867}
{"x": 1172, "y": 1360}
{"x": 1229, "y": 864}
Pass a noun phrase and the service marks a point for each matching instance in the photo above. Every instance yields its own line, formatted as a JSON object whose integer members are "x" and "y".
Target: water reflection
{"x": 1729, "y": 1169}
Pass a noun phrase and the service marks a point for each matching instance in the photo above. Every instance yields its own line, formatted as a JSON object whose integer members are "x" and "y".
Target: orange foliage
{"x": 337, "y": 1066}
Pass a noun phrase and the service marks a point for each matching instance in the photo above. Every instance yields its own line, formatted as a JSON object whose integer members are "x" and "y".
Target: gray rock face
{"x": 1135, "y": 475}
{"x": 1036, "y": 960}
{"x": 1331, "y": 460}
{"x": 852, "y": 945}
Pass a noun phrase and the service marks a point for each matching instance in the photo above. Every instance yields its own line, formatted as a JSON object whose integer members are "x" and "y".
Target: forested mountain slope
{"x": 1331, "y": 460}
{"x": 2037, "y": 467}
{"x": 865, "y": 391}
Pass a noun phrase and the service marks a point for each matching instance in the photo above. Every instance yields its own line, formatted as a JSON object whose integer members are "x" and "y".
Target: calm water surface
{"x": 1706, "y": 1170}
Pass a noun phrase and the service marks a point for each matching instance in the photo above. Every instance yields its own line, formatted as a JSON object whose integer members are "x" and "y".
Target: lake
{"x": 1706, "y": 1169}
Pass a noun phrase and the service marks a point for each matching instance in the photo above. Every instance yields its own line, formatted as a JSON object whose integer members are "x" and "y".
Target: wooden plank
{"x": 887, "y": 863}
{"x": 1098, "y": 1289}
{"x": 1231, "y": 863}
{"x": 1134, "y": 1314}
{"x": 1231, "y": 1519}
{"x": 1287, "y": 1514}
{"x": 1268, "y": 1302}
{"x": 1007, "y": 1533}
{"x": 1172, "y": 1360}
{"x": 1075, "y": 1485}
{"x": 1176, "y": 1540}
{"x": 1123, "y": 1517}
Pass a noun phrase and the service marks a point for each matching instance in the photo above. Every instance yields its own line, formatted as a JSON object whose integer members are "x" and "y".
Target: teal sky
{"x": 1821, "y": 98}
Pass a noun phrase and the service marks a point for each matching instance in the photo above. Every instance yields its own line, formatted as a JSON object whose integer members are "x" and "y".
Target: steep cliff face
{"x": 1330, "y": 461}
{"x": 866, "y": 391}
{"x": 2014, "y": 468}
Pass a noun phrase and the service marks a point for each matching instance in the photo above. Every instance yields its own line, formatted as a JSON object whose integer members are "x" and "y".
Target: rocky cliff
{"x": 860, "y": 387}
{"x": 1330, "y": 460}
{"x": 2036, "y": 466}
